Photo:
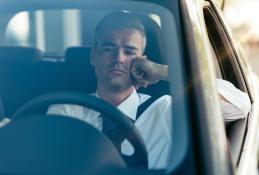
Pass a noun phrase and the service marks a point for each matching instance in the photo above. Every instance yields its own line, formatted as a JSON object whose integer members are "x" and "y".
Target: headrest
{"x": 80, "y": 54}
{"x": 17, "y": 54}
{"x": 154, "y": 49}
{"x": 80, "y": 71}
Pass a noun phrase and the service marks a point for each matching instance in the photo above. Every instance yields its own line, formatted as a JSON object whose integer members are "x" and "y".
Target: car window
{"x": 223, "y": 48}
{"x": 230, "y": 70}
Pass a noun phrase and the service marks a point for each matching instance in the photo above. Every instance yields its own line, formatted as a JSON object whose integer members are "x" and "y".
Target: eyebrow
{"x": 126, "y": 46}
{"x": 107, "y": 44}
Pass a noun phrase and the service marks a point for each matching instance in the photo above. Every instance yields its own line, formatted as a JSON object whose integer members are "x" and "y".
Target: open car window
{"x": 227, "y": 59}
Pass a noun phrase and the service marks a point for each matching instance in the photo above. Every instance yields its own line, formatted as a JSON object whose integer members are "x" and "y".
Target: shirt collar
{"x": 130, "y": 105}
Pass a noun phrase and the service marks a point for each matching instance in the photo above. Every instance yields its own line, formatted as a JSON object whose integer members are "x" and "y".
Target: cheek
{"x": 129, "y": 61}
{"x": 100, "y": 62}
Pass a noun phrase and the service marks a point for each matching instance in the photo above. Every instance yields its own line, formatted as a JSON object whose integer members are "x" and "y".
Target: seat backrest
{"x": 154, "y": 51}
{"x": 17, "y": 76}
{"x": 25, "y": 75}
{"x": 154, "y": 48}
{"x": 79, "y": 69}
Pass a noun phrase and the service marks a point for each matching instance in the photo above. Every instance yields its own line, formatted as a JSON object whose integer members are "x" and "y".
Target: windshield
{"x": 52, "y": 50}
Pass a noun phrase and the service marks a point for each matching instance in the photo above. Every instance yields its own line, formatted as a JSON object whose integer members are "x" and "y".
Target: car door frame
{"x": 242, "y": 135}
{"x": 208, "y": 125}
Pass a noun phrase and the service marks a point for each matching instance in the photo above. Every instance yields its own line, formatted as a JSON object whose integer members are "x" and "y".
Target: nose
{"x": 120, "y": 56}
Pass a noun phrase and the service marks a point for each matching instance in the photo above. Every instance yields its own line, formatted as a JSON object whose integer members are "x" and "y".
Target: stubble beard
{"x": 119, "y": 85}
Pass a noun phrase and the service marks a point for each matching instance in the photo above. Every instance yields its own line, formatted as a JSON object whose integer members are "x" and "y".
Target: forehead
{"x": 121, "y": 37}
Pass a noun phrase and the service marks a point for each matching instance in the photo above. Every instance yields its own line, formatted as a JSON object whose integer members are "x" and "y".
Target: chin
{"x": 116, "y": 86}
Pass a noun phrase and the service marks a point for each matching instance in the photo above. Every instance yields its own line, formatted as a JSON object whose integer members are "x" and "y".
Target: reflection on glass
{"x": 17, "y": 31}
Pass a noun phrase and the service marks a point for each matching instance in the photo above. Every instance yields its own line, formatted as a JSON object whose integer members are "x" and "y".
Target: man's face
{"x": 113, "y": 55}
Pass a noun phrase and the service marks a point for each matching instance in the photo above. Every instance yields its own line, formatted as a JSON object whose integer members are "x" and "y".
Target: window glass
{"x": 54, "y": 32}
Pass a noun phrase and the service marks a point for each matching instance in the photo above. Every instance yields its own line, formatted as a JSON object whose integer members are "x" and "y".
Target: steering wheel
{"x": 40, "y": 105}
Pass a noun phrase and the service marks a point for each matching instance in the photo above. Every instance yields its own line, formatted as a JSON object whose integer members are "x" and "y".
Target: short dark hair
{"x": 120, "y": 20}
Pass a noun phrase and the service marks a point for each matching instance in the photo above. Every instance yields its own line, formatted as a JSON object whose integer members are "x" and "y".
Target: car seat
{"x": 79, "y": 71}
{"x": 18, "y": 77}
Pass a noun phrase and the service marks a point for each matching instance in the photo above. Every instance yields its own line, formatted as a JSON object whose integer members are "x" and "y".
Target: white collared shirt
{"x": 155, "y": 122}
{"x": 238, "y": 103}
{"x": 153, "y": 125}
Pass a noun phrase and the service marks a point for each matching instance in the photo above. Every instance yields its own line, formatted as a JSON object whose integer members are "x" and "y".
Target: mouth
{"x": 116, "y": 71}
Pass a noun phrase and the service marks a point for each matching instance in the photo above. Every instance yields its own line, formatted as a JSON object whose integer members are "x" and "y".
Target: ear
{"x": 92, "y": 55}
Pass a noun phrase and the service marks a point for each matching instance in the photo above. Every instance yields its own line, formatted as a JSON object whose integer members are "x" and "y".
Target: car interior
{"x": 63, "y": 74}
{"x": 27, "y": 72}
{"x": 30, "y": 68}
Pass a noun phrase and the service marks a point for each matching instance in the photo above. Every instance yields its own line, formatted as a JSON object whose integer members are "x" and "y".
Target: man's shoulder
{"x": 164, "y": 99}
{"x": 155, "y": 106}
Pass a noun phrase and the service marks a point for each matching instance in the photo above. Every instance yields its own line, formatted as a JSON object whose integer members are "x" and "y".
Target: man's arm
{"x": 145, "y": 72}
{"x": 234, "y": 103}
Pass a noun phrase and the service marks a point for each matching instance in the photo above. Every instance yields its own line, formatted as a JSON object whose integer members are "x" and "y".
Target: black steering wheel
{"x": 40, "y": 105}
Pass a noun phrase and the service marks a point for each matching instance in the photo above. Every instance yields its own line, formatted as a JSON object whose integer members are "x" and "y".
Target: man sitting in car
{"x": 120, "y": 66}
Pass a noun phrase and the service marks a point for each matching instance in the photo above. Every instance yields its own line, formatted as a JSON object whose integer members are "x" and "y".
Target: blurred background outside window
{"x": 242, "y": 17}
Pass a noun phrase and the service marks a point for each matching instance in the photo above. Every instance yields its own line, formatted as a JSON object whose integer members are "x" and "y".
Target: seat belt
{"x": 142, "y": 108}
{"x": 113, "y": 131}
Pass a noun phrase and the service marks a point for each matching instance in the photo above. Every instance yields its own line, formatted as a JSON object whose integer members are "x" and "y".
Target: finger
{"x": 141, "y": 83}
{"x": 133, "y": 69}
{"x": 141, "y": 57}
{"x": 136, "y": 72}
{"x": 138, "y": 75}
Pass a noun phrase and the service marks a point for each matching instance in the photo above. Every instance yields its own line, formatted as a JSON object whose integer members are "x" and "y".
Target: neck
{"x": 114, "y": 98}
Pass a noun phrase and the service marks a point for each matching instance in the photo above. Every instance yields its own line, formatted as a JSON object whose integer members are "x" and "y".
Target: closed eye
{"x": 130, "y": 52}
{"x": 108, "y": 49}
